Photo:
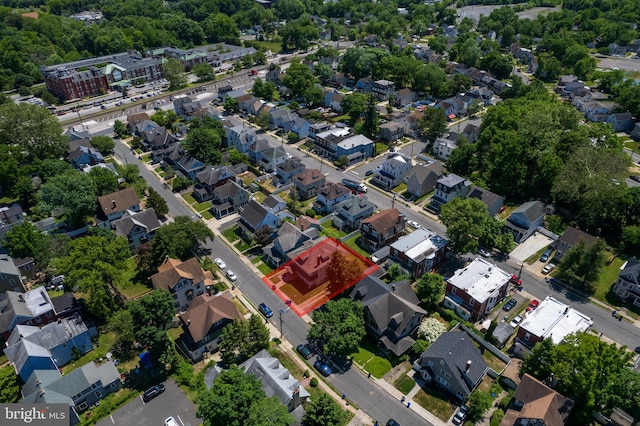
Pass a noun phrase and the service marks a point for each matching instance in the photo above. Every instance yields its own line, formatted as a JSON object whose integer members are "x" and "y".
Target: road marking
{"x": 112, "y": 421}
{"x": 178, "y": 416}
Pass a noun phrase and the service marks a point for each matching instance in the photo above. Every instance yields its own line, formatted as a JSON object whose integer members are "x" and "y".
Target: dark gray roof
{"x": 290, "y": 165}
{"x": 253, "y": 213}
{"x": 354, "y": 205}
{"x": 422, "y": 171}
{"x": 502, "y": 332}
{"x": 146, "y": 219}
{"x": 228, "y": 189}
{"x": 272, "y": 201}
{"x": 484, "y": 195}
{"x": 532, "y": 210}
{"x": 572, "y": 236}
{"x": 65, "y": 302}
{"x": 631, "y": 271}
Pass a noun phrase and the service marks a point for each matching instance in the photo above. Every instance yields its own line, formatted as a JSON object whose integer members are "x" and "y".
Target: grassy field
{"x": 607, "y": 277}
{"x": 264, "y": 268}
{"x": 353, "y": 244}
{"x": 378, "y": 366}
{"x": 274, "y": 45}
{"x": 330, "y": 231}
{"x": 131, "y": 289}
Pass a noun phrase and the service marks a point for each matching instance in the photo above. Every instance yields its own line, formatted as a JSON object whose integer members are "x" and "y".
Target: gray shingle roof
{"x": 253, "y": 213}
{"x": 146, "y": 219}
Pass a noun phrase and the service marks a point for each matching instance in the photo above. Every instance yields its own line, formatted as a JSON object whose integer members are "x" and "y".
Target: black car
{"x": 509, "y": 305}
{"x": 392, "y": 422}
{"x": 369, "y": 173}
{"x": 152, "y": 392}
{"x": 304, "y": 351}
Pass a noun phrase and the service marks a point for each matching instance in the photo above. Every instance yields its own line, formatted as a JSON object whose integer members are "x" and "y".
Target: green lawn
{"x": 435, "y": 402}
{"x": 381, "y": 147}
{"x": 330, "y": 231}
{"x": 353, "y": 243}
{"x": 607, "y": 277}
{"x": 147, "y": 158}
{"x": 362, "y": 356}
{"x": 200, "y": 207}
{"x": 105, "y": 340}
{"x": 378, "y": 366}
{"x": 230, "y": 234}
{"x": 259, "y": 196}
{"x": 131, "y": 289}
{"x": 264, "y": 268}
{"x": 274, "y": 46}
{"x": 400, "y": 188}
{"x": 207, "y": 214}
{"x": 424, "y": 197}
{"x": 242, "y": 245}
{"x": 189, "y": 199}
{"x": 405, "y": 384}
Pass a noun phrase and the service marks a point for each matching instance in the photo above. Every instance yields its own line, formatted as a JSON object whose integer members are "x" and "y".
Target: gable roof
{"x": 273, "y": 201}
{"x": 384, "y": 221}
{"x": 31, "y": 304}
{"x": 540, "y": 402}
{"x": 206, "y": 311}
{"x": 456, "y": 349}
{"x": 290, "y": 165}
{"x": 172, "y": 270}
{"x": 309, "y": 176}
{"x": 354, "y": 205}
{"x": 630, "y": 272}
{"x": 422, "y": 171}
{"x": 119, "y": 201}
{"x": 487, "y": 197}
{"x": 146, "y": 219}
{"x": 333, "y": 190}
{"x": 212, "y": 175}
{"x": 253, "y": 213}
{"x": 532, "y": 210}
{"x": 572, "y": 236}
{"x": 226, "y": 190}
{"x": 289, "y": 236}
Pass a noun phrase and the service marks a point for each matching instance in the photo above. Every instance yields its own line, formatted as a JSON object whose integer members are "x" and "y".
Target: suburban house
{"x": 355, "y": 148}
{"x": 82, "y": 388}
{"x": 421, "y": 179}
{"x": 271, "y": 157}
{"x": 444, "y": 146}
{"x": 274, "y": 204}
{"x": 635, "y": 133}
{"x": 627, "y": 285}
{"x": 597, "y": 112}
{"x": 85, "y": 156}
{"x": 493, "y": 201}
{"x": 473, "y": 291}
{"x": 203, "y": 321}
{"x": 382, "y": 228}
{"x": 277, "y": 381}
{"x": 537, "y": 404}
{"x": 570, "y": 238}
{"x": 228, "y": 199}
{"x": 290, "y": 242}
{"x": 310, "y": 267}
{"x": 419, "y": 252}
{"x": 553, "y": 320}
{"x": 524, "y": 220}
{"x": 209, "y": 179}
{"x": 34, "y": 307}
{"x": 184, "y": 280}
{"x": 454, "y": 363}
{"x": 240, "y": 137}
{"x": 133, "y": 120}
{"x": 329, "y": 196}
{"x": 288, "y": 169}
{"x": 11, "y": 214}
{"x": 391, "y": 131}
{"x": 404, "y": 97}
{"x": 48, "y": 347}
{"x": 621, "y": 122}
{"x": 301, "y": 127}
{"x": 308, "y": 182}
{"x": 189, "y": 166}
{"x": 137, "y": 227}
{"x": 26, "y": 266}
{"x": 392, "y": 171}
{"x": 255, "y": 150}
{"x": 319, "y": 127}
{"x": 391, "y": 312}
{"x": 114, "y": 206}
{"x": 158, "y": 140}
{"x": 447, "y": 188}
{"x": 383, "y": 89}
{"x": 255, "y": 216}
{"x": 348, "y": 215}
{"x": 10, "y": 276}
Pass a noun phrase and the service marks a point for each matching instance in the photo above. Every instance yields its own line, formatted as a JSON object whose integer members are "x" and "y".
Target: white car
{"x": 170, "y": 421}
{"x": 414, "y": 224}
{"x": 220, "y": 263}
{"x": 548, "y": 268}
{"x": 516, "y": 321}
{"x": 231, "y": 275}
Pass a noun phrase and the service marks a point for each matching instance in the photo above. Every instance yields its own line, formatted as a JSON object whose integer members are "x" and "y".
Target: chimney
{"x": 393, "y": 287}
{"x": 209, "y": 290}
{"x": 319, "y": 260}
{"x": 467, "y": 367}
{"x": 188, "y": 322}
{"x": 566, "y": 310}
{"x": 113, "y": 204}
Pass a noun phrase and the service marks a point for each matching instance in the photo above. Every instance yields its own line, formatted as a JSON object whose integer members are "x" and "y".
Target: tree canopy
{"x": 71, "y": 191}
{"x": 33, "y": 129}
{"x": 339, "y": 327}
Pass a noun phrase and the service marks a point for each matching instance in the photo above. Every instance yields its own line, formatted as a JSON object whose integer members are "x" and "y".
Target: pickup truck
{"x": 354, "y": 186}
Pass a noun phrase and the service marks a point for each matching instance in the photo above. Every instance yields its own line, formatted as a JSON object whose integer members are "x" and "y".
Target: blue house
{"x": 365, "y": 84}
{"x": 255, "y": 216}
{"x": 48, "y": 348}
{"x": 85, "y": 156}
{"x": 301, "y": 127}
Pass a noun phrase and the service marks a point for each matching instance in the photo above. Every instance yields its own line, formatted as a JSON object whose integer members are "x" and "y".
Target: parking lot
{"x": 172, "y": 403}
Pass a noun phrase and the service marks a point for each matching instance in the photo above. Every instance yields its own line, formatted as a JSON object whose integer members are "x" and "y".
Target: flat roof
{"x": 480, "y": 279}
{"x": 553, "y": 319}
{"x": 353, "y": 141}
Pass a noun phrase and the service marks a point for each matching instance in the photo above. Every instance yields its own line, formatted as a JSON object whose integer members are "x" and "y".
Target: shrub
{"x": 496, "y": 417}
{"x": 310, "y": 213}
{"x": 430, "y": 329}
{"x": 305, "y": 374}
{"x": 313, "y": 382}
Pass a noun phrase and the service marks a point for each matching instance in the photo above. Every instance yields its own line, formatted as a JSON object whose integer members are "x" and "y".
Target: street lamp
{"x": 282, "y": 311}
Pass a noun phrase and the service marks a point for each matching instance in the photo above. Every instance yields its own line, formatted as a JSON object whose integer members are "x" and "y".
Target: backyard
{"x": 330, "y": 231}
{"x": 353, "y": 244}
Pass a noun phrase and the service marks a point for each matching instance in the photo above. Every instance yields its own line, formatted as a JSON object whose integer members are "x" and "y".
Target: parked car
{"x": 322, "y": 368}
{"x": 545, "y": 255}
{"x": 548, "y": 268}
{"x": 392, "y": 422}
{"x": 152, "y": 392}
{"x": 231, "y": 275}
{"x": 516, "y": 321}
{"x": 220, "y": 263}
{"x": 460, "y": 415}
{"x": 265, "y": 310}
{"x": 509, "y": 305}
{"x": 635, "y": 177}
{"x": 533, "y": 305}
{"x": 369, "y": 173}
{"x": 484, "y": 252}
{"x": 170, "y": 421}
{"x": 304, "y": 351}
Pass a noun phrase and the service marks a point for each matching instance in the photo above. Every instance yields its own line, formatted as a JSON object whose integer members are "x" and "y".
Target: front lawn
{"x": 400, "y": 188}
{"x": 201, "y": 207}
{"x": 189, "y": 199}
{"x": 264, "y": 268}
{"x": 242, "y": 245}
{"x": 207, "y": 214}
{"x": 607, "y": 277}
{"x": 353, "y": 244}
{"x": 362, "y": 356}
{"x": 378, "y": 366}
{"x": 435, "y": 402}
{"x": 405, "y": 384}
{"x": 381, "y": 147}
{"x": 231, "y": 234}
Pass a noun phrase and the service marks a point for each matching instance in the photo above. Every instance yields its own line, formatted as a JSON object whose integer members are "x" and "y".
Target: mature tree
{"x": 263, "y": 120}
{"x": 438, "y": 43}
{"x": 338, "y": 327}
{"x": 105, "y": 181}
{"x": 396, "y": 273}
{"x": 25, "y": 239}
{"x": 625, "y": 391}
{"x": 430, "y": 289}
{"x": 583, "y": 366}
{"x": 9, "y": 385}
{"x": 204, "y": 144}
{"x": 230, "y": 399}
{"x": 370, "y": 125}
{"x": 465, "y": 220}
{"x": 260, "y": 58}
{"x": 10, "y": 170}
{"x": 466, "y": 50}
{"x": 354, "y": 104}
{"x": 236, "y": 157}
{"x": 157, "y": 203}
{"x": 219, "y": 27}
{"x": 322, "y": 411}
{"x": 121, "y": 323}
{"x": 269, "y": 411}
{"x": 313, "y": 96}
{"x": 33, "y": 128}
{"x": 433, "y": 124}
{"x": 230, "y": 105}
{"x": 298, "y": 34}
{"x": 104, "y": 144}
{"x": 153, "y": 310}
{"x": 119, "y": 129}
{"x": 497, "y": 63}
{"x": 72, "y": 192}
{"x": 430, "y": 329}
{"x": 582, "y": 264}
{"x": 479, "y": 402}
{"x": 180, "y": 239}
{"x": 360, "y": 62}
{"x": 174, "y": 73}
{"x": 342, "y": 271}
{"x": 298, "y": 78}
{"x": 94, "y": 265}
{"x": 324, "y": 73}
{"x": 204, "y": 72}
{"x": 242, "y": 339}
{"x": 262, "y": 237}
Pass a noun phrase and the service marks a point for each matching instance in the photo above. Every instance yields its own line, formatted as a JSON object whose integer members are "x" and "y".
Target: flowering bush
{"x": 431, "y": 329}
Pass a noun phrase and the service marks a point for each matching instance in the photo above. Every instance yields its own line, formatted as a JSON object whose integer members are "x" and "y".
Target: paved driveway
{"x": 530, "y": 247}
{"x": 172, "y": 403}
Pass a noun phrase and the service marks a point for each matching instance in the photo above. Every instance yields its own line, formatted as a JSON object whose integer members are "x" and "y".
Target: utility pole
{"x": 282, "y": 311}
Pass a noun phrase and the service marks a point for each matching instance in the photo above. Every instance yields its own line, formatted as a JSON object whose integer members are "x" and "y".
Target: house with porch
{"x": 184, "y": 280}
{"x": 228, "y": 199}
{"x": 137, "y": 227}
{"x": 209, "y": 179}
{"x": 382, "y": 228}
{"x": 255, "y": 216}
{"x": 627, "y": 285}
{"x": 356, "y": 148}
{"x": 308, "y": 182}
{"x": 330, "y": 195}
{"x": 85, "y": 156}
{"x": 203, "y": 321}
{"x": 133, "y": 120}
{"x": 421, "y": 179}
{"x": 272, "y": 157}
{"x": 256, "y": 149}
{"x": 391, "y": 131}
{"x": 473, "y": 291}
{"x": 447, "y": 188}
{"x": 524, "y": 220}
{"x": 621, "y": 122}
{"x": 391, "y": 312}
{"x": 114, "y": 206}
{"x": 189, "y": 166}
{"x": 419, "y": 252}
{"x": 240, "y": 137}
{"x": 290, "y": 241}
{"x": 349, "y": 214}
{"x": 404, "y": 97}
{"x": 288, "y": 169}
{"x": 452, "y": 363}
{"x": 392, "y": 171}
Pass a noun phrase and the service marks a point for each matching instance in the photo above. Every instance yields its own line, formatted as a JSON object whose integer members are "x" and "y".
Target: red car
{"x": 533, "y": 305}
{"x": 514, "y": 279}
